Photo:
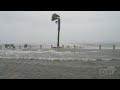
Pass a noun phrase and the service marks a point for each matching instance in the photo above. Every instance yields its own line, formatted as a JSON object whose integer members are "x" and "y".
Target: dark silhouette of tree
{"x": 56, "y": 18}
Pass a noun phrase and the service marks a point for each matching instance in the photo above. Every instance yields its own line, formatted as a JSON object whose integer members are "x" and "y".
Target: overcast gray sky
{"x": 76, "y": 26}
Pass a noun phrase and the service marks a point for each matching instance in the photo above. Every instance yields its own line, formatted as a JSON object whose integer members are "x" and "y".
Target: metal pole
{"x": 99, "y": 47}
{"x": 51, "y": 46}
{"x": 113, "y": 47}
{"x": 62, "y": 46}
{"x": 74, "y": 46}
{"x": 20, "y": 47}
{"x": 58, "y": 42}
{"x": 0, "y": 47}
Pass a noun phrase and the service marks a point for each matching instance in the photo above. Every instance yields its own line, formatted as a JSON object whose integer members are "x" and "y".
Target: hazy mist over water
{"x": 76, "y": 27}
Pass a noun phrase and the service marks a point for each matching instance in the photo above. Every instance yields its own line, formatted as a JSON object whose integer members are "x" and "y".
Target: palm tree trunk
{"x": 58, "y": 42}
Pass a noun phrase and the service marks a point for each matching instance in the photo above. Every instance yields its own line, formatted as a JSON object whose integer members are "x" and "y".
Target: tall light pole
{"x": 56, "y": 18}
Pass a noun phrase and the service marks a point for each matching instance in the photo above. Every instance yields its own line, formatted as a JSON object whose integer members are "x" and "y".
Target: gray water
{"x": 59, "y": 63}
{"x": 61, "y": 54}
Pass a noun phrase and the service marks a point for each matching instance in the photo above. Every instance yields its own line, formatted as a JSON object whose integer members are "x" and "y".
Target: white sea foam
{"x": 52, "y": 55}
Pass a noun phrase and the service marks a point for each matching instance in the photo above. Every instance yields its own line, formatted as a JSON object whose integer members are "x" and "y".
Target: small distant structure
{"x": 9, "y": 46}
{"x": 74, "y": 46}
{"x": 0, "y": 46}
{"x": 25, "y": 46}
{"x": 100, "y": 47}
{"x": 51, "y": 46}
{"x": 40, "y": 46}
{"x": 68, "y": 46}
{"x": 62, "y": 46}
{"x": 114, "y": 47}
{"x": 30, "y": 47}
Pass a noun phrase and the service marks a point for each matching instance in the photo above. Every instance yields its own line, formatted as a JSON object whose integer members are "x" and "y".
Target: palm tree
{"x": 56, "y": 18}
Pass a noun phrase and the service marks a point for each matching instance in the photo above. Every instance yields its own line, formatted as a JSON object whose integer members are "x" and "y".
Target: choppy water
{"x": 61, "y": 54}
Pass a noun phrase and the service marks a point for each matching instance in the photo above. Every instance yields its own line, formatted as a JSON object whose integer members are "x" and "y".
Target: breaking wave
{"x": 54, "y": 55}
